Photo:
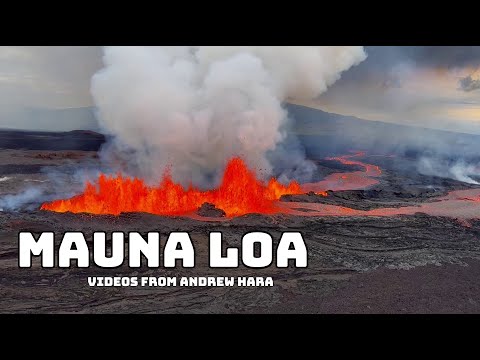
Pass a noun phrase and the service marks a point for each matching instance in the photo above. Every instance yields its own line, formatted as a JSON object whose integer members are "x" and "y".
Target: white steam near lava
{"x": 193, "y": 108}
{"x": 459, "y": 170}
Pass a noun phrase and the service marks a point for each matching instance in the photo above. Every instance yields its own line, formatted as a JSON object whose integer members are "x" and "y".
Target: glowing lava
{"x": 355, "y": 180}
{"x": 460, "y": 204}
{"x": 370, "y": 170}
{"x": 240, "y": 192}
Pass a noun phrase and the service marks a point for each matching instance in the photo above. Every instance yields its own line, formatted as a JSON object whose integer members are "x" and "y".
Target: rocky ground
{"x": 399, "y": 264}
{"x": 402, "y": 264}
{"x": 393, "y": 190}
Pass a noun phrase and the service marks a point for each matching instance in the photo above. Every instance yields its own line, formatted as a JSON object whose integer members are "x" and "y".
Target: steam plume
{"x": 459, "y": 170}
{"x": 195, "y": 107}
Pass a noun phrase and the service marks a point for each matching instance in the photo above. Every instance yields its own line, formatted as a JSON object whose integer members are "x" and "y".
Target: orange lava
{"x": 458, "y": 204}
{"x": 240, "y": 192}
{"x": 370, "y": 170}
{"x": 348, "y": 181}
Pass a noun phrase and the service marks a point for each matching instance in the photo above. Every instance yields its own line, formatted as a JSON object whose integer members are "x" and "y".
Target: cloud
{"x": 410, "y": 85}
{"x": 45, "y": 77}
{"x": 469, "y": 84}
{"x": 395, "y": 83}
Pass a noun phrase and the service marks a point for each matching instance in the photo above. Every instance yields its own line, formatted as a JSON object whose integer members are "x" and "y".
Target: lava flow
{"x": 355, "y": 180}
{"x": 240, "y": 192}
{"x": 460, "y": 204}
{"x": 370, "y": 170}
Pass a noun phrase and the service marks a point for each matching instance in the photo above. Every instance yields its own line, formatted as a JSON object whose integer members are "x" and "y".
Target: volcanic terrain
{"x": 380, "y": 239}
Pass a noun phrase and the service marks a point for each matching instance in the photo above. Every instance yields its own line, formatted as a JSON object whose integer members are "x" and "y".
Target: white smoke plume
{"x": 63, "y": 181}
{"x": 458, "y": 170}
{"x": 193, "y": 108}
{"x": 21, "y": 200}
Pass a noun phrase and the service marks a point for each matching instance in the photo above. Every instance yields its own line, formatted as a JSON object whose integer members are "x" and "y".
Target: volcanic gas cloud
{"x": 195, "y": 108}
{"x": 199, "y": 110}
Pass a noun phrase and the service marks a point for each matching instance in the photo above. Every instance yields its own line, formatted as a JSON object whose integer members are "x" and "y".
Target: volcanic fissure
{"x": 239, "y": 193}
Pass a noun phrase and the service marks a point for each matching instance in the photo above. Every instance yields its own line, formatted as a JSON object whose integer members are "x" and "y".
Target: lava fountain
{"x": 239, "y": 193}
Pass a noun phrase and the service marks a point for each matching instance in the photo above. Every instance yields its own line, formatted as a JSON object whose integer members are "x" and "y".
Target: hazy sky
{"x": 49, "y": 77}
{"x": 429, "y": 86}
{"x": 415, "y": 85}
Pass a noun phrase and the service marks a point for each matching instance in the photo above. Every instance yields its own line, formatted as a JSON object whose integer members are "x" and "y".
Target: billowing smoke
{"x": 458, "y": 170}
{"x": 193, "y": 108}
{"x": 62, "y": 181}
{"x": 21, "y": 200}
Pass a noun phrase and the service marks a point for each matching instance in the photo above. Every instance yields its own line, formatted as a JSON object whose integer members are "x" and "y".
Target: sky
{"x": 46, "y": 76}
{"x": 436, "y": 87}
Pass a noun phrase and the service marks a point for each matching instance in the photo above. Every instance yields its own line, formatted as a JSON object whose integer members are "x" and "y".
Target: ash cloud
{"x": 193, "y": 108}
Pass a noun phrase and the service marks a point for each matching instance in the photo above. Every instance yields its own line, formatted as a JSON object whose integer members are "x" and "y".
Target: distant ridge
{"x": 39, "y": 119}
{"x": 308, "y": 117}
{"x": 325, "y": 133}
{"x": 85, "y": 140}
{"x": 320, "y": 132}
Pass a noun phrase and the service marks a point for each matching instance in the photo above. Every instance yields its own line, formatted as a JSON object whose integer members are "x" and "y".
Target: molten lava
{"x": 370, "y": 170}
{"x": 347, "y": 181}
{"x": 240, "y": 192}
